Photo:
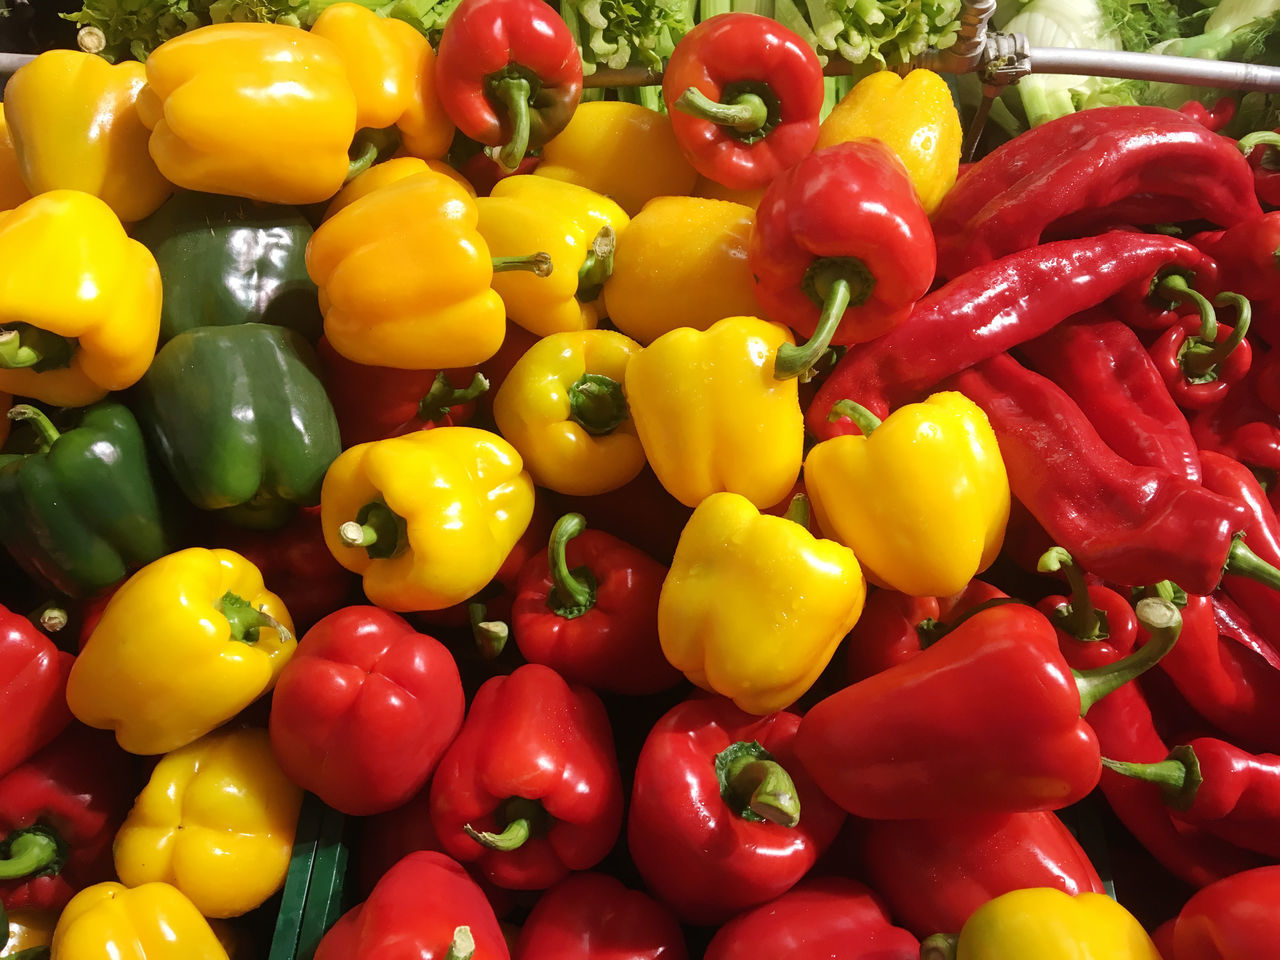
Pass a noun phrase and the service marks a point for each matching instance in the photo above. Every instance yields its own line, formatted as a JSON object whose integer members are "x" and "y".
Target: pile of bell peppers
{"x": 725, "y": 531}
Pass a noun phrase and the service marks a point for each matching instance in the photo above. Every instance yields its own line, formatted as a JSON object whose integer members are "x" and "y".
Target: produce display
{"x": 452, "y": 509}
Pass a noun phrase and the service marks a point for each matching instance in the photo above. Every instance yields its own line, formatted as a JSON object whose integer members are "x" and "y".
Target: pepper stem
{"x": 1176, "y": 289}
{"x": 378, "y": 529}
{"x": 42, "y": 424}
{"x": 755, "y": 786}
{"x": 793, "y": 360}
{"x": 513, "y": 93}
{"x": 939, "y": 946}
{"x": 1256, "y": 139}
{"x": 539, "y": 264}
{"x": 598, "y": 266}
{"x": 53, "y": 618}
{"x": 1178, "y": 775}
{"x": 574, "y": 591}
{"x": 1199, "y": 357}
{"x": 1163, "y": 623}
{"x": 14, "y": 354}
{"x": 490, "y": 635}
{"x": 863, "y": 419}
{"x": 1078, "y": 616}
{"x": 1243, "y": 562}
{"x": 30, "y": 851}
{"x": 246, "y": 620}
{"x": 746, "y": 113}
{"x": 463, "y": 945}
{"x": 597, "y": 404}
{"x": 443, "y": 396}
{"x": 522, "y": 816}
{"x": 798, "y": 510}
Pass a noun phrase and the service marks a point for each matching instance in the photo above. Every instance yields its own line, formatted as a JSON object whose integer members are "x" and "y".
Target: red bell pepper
{"x": 1241, "y": 426}
{"x": 1259, "y": 148}
{"x": 841, "y": 250}
{"x": 744, "y": 95}
{"x": 425, "y": 907}
{"x": 588, "y": 608}
{"x": 1200, "y": 359}
{"x": 509, "y": 74}
{"x": 987, "y": 720}
{"x": 831, "y": 917}
{"x": 1235, "y": 918}
{"x": 723, "y": 815}
{"x": 364, "y": 710}
{"x": 33, "y": 686}
{"x": 59, "y": 813}
{"x": 530, "y": 789}
{"x": 1092, "y": 612}
{"x": 593, "y": 916}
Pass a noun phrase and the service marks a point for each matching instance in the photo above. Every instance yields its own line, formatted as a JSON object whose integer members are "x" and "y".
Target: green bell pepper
{"x": 83, "y": 510}
{"x": 227, "y": 260}
{"x": 242, "y": 421}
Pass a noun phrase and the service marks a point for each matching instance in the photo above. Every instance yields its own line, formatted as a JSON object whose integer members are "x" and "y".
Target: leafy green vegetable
{"x": 874, "y": 33}
{"x": 622, "y": 33}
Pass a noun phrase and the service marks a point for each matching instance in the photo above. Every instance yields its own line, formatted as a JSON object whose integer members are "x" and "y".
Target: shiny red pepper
{"x": 1259, "y": 150}
{"x": 841, "y": 249}
{"x": 1215, "y": 116}
{"x": 33, "y": 685}
{"x": 1091, "y": 613}
{"x": 1200, "y": 361}
{"x": 744, "y": 95}
{"x": 1236, "y": 918}
{"x": 1241, "y": 426}
{"x": 1248, "y": 258}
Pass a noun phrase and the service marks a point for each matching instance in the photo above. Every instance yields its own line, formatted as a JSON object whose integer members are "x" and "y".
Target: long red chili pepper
{"x": 1231, "y": 919}
{"x": 1236, "y": 482}
{"x": 1242, "y": 426}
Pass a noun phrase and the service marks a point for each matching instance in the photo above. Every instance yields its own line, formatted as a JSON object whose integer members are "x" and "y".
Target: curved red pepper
{"x": 1200, "y": 368}
{"x": 1236, "y": 482}
{"x": 744, "y": 95}
{"x": 1248, "y": 258}
{"x": 33, "y": 686}
{"x": 696, "y": 841}
{"x": 1241, "y": 426}
{"x": 1215, "y": 116}
{"x": 1235, "y": 918}
{"x": 1091, "y": 613}
{"x": 1262, "y": 161}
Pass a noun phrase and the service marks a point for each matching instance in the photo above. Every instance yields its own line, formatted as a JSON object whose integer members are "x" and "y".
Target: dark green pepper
{"x": 242, "y": 421}
{"x": 83, "y": 510}
{"x": 227, "y": 260}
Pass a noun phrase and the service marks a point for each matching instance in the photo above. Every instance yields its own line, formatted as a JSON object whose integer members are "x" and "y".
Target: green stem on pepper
{"x": 490, "y": 635}
{"x": 539, "y": 264}
{"x": 1175, "y": 288}
{"x": 835, "y": 284}
{"x": 862, "y": 418}
{"x": 1078, "y": 617}
{"x": 939, "y": 946}
{"x": 1163, "y": 624}
{"x": 598, "y": 265}
{"x": 523, "y": 818}
{"x": 755, "y": 786}
{"x": 246, "y": 620}
{"x": 42, "y": 424}
{"x": 1178, "y": 775}
{"x": 443, "y": 396}
{"x": 378, "y": 529}
{"x": 798, "y": 510}
{"x": 513, "y": 93}
{"x": 24, "y": 346}
{"x": 746, "y": 113}
{"x": 1243, "y": 562}
{"x": 597, "y": 404}
{"x": 574, "y": 593}
{"x": 463, "y": 945}
{"x": 30, "y": 852}
{"x": 1199, "y": 356}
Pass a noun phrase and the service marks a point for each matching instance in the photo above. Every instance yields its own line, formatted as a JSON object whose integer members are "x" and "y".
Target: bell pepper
{"x": 33, "y": 679}
{"x": 83, "y": 509}
{"x": 564, "y": 408}
{"x": 79, "y": 301}
{"x": 1242, "y": 426}
{"x": 1201, "y": 359}
{"x": 744, "y": 95}
{"x": 28, "y": 931}
{"x": 1091, "y": 613}
{"x": 530, "y": 789}
{"x": 151, "y": 922}
{"x": 1231, "y": 919}
{"x": 588, "y": 608}
{"x": 363, "y": 712}
{"x": 1046, "y": 923}
{"x": 228, "y": 260}
{"x": 455, "y": 923}
{"x": 241, "y": 420}
{"x": 841, "y": 250}
{"x": 682, "y": 262}
{"x": 392, "y": 70}
{"x": 723, "y": 816}
{"x": 257, "y": 110}
{"x": 593, "y": 916}
{"x": 754, "y": 606}
{"x": 183, "y": 645}
{"x": 711, "y": 416}
{"x": 426, "y": 519}
{"x": 509, "y": 74}
{"x": 13, "y": 191}
{"x": 915, "y": 116}
{"x": 1246, "y": 258}
{"x": 75, "y": 126}
{"x": 623, "y": 150}
{"x": 922, "y": 499}
{"x": 988, "y": 717}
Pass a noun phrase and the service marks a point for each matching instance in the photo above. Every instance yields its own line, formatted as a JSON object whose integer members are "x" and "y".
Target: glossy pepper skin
{"x": 229, "y": 260}
{"x": 712, "y": 417}
{"x": 1231, "y": 919}
{"x": 257, "y": 110}
{"x": 363, "y": 712}
{"x": 13, "y": 191}
{"x": 75, "y": 126}
{"x": 535, "y": 759}
{"x": 769, "y": 73}
{"x": 28, "y": 929}
{"x": 34, "y": 674}
{"x": 915, "y": 116}
{"x": 691, "y": 829}
{"x": 564, "y": 408}
{"x": 84, "y": 509}
{"x": 426, "y": 519}
{"x": 1246, "y": 258}
{"x": 151, "y": 922}
{"x": 404, "y": 278}
{"x": 79, "y": 301}
{"x": 1242, "y": 426}
{"x": 181, "y": 648}
{"x": 1198, "y": 370}
{"x": 754, "y": 605}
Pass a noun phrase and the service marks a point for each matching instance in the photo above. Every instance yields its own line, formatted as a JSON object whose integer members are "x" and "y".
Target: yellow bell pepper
{"x": 711, "y": 416}
{"x": 404, "y": 278}
{"x": 922, "y": 498}
{"x": 754, "y": 605}
{"x": 387, "y": 172}
{"x": 257, "y": 110}
{"x": 578, "y": 228}
{"x": 681, "y": 263}
{"x": 392, "y": 69}
{"x": 151, "y": 922}
{"x": 216, "y": 820}
{"x": 13, "y": 190}
{"x": 427, "y": 519}
{"x": 75, "y": 126}
{"x": 563, "y": 408}
{"x": 183, "y": 645}
{"x": 79, "y": 301}
{"x": 28, "y": 929}
{"x": 709, "y": 189}
{"x": 914, "y": 116}
{"x": 623, "y": 150}
{"x": 1047, "y": 924}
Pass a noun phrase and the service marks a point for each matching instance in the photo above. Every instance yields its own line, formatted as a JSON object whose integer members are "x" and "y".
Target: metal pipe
{"x": 1154, "y": 66}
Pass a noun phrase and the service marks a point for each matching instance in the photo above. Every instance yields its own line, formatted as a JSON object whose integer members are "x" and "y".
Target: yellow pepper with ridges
{"x": 921, "y": 498}
{"x": 563, "y": 407}
{"x": 79, "y": 301}
{"x": 712, "y": 417}
{"x": 13, "y": 190}
{"x": 754, "y": 605}
{"x": 151, "y": 922}
{"x": 387, "y": 172}
{"x": 915, "y": 116}
{"x": 183, "y": 645}
{"x": 75, "y": 126}
{"x": 216, "y": 820}
{"x": 426, "y": 519}
{"x": 257, "y": 110}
